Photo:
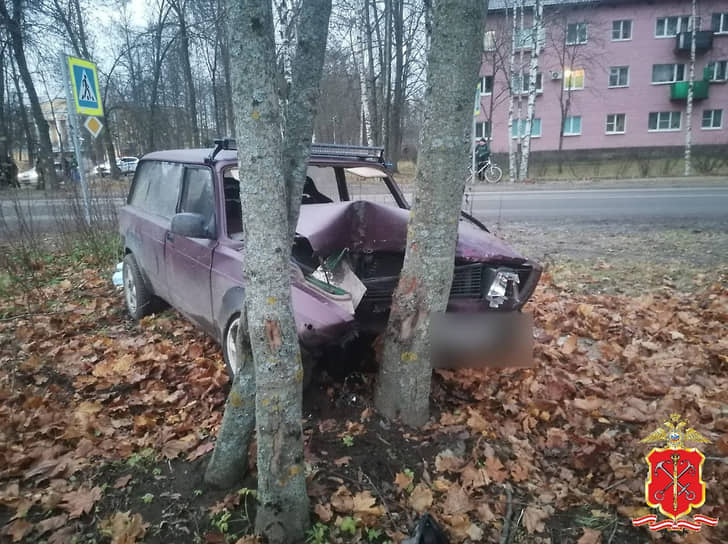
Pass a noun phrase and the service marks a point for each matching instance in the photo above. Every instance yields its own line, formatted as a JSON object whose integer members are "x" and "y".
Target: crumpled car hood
{"x": 361, "y": 225}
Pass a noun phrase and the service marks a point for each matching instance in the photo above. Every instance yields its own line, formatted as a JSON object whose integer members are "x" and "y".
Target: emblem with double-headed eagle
{"x": 674, "y": 434}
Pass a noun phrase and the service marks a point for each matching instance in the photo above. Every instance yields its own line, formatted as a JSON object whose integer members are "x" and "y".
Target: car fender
{"x": 232, "y": 302}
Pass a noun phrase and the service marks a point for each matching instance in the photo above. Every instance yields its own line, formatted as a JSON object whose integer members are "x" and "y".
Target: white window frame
{"x": 483, "y": 92}
{"x": 522, "y": 122}
{"x": 578, "y": 25}
{"x": 614, "y": 123}
{"x": 570, "y": 119}
{"x": 489, "y": 40}
{"x": 621, "y": 23}
{"x": 675, "y": 66}
{"x": 715, "y": 64}
{"x": 661, "y": 113}
{"x": 679, "y": 25}
{"x": 569, "y": 78}
{"x": 480, "y": 130}
{"x": 712, "y": 119}
{"x": 609, "y": 80}
{"x": 520, "y": 77}
{"x": 722, "y": 22}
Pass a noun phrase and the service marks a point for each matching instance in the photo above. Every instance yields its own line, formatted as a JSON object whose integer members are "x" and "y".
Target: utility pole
{"x": 74, "y": 130}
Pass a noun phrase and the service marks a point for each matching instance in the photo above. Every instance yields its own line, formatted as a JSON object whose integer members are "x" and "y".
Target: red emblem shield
{"x": 675, "y": 483}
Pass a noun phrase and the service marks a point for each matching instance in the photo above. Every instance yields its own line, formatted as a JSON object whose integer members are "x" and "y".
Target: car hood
{"x": 366, "y": 226}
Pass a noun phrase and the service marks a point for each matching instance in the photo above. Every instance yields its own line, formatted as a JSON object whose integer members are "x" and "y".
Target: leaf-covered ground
{"x": 107, "y": 424}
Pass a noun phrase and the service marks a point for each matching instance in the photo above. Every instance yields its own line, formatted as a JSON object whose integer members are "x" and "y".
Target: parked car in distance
{"x": 182, "y": 235}
{"x": 29, "y": 177}
{"x": 103, "y": 169}
{"x": 127, "y": 165}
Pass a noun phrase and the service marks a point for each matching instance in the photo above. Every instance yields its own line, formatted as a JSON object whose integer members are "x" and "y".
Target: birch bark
{"x": 691, "y": 92}
{"x": 512, "y": 170}
{"x": 532, "y": 88}
{"x": 403, "y": 384}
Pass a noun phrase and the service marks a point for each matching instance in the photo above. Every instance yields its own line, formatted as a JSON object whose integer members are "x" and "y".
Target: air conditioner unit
{"x": 555, "y": 75}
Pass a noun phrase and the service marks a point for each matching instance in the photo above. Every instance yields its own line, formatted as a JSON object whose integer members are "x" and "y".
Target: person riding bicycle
{"x": 482, "y": 156}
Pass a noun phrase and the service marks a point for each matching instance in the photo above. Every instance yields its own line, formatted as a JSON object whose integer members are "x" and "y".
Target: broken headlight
{"x": 504, "y": 285}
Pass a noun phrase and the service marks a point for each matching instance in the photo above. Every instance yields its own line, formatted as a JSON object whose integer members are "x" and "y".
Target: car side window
{"x": 198, "y": 195}
{"x": 140, "y": 188}
{"x": 164, "y": 187}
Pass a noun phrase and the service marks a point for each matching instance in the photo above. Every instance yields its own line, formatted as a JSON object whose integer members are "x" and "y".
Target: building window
{"x": 489, "y": 40}
{"x": 712, "y": 119}
{"x": 668, "y": 73}
{"x": 521, "y": 83}
{"x": 615, "y": 123}
{"x": 717, "y": 70}
{"x": 720, "y": 23}
{"x": 518, "y": 130}
{"x": 482, "y": 130}
{"x": 621, "y": 30}
{"x": 573, "y": 79}
{"x": 486, "y": 85}
{"x": 576, "y": 33}
{"x": 664, "y": 121}
{"x": 572, "y": 125}
{"x": 669, "y": 27}
{"x": 619, "y": 76}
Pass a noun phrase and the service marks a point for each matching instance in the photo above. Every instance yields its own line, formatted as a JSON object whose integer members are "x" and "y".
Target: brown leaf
{"x": 533, "y": 519}
{"x": 17, "y": 529}
{"x": 476, "y": 421}
{"x": 456, "y": 501}
{"x": 403, "y": 481}
{"x": 200, "y": 450}
{"x": 570, "y": 345}
{"x": 81, "y": 501}
{"x": 590, "y": 536}
{"x": 446, "y": 461}
{"x": 323, "y": 511}
{"x": 589, "y": 404}
{"x": 342, "y": 501}
{"x": 421, "y": 498}
{"x": 51, "y": 524}
{"x": 365, "y": 503}
{"x": 495, "y": 469}
{"x": 124, "y": 527}
{"x": 342, "y": 461}
{"x": 121, "y": 481}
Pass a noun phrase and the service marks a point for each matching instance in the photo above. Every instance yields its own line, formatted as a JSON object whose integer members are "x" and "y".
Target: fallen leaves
{"x": 421, "y": 498}
{"x": 124, "y": 527}
{"x": 80, "y": 501}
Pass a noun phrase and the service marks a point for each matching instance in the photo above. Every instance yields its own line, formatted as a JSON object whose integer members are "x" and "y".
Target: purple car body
{"x": 201, "y": 274}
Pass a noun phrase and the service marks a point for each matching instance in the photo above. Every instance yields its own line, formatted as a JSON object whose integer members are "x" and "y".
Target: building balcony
{"x": 679, "y": 90}
{"x": 703, "y": 41}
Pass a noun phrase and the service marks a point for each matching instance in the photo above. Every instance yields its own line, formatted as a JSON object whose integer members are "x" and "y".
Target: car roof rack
{"x": 332, "y": 151}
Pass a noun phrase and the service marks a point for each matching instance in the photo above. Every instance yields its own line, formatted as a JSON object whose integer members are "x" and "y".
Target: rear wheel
{"x": 136, "y": 294}
{"x": 230, "y": 352}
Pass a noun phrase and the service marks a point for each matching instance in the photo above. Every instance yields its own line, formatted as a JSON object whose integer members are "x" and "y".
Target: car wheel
{"x": 229, "y": 353}
{"x": 136, "y": 294}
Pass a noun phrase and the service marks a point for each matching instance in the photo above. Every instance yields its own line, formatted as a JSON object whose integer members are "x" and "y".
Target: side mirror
{"x": 191, "y": 225}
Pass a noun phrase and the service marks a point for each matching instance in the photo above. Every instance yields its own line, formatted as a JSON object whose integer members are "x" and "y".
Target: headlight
{"x": 498, "y": 290}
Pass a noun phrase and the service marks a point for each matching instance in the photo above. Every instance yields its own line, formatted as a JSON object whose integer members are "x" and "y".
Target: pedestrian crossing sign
{"x": 85, "y": 85}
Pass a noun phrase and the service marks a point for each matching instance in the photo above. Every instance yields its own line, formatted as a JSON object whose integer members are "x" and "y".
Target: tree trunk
{"x": 532, "y": 87}
{"x": 270, "y": 189}
{"x": 366, "y": 113}
{"x": 403, "y": 384}
{"x": 187, "y": 71}
{"x": 27, "y": 128}
{"x": 512, "y": 170}
{"x": 45, "y": 150}
{"x": 399, "y": 83}
{"x": 691, "y": 91}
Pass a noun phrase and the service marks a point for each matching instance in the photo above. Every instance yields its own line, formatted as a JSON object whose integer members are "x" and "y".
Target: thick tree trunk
{"x": 403, "y": 384}
{"x": 532, "y": 87}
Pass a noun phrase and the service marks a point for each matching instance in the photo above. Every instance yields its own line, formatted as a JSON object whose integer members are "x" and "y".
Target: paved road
{"x": 637, "y": 205}
{"x": 650, "y": 205}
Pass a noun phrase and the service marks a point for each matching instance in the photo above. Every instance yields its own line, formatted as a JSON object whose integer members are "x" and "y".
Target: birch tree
{"x": 536, "y": 46}
{"x": 403, "y": 383}
{"x": 271, "y": 187}
{"x": 691, "y": 90}
{"x": 512, "y": 168}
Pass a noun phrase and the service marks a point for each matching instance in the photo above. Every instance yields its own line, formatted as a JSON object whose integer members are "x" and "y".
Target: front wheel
{"x": 136, "y": 294}
{"x": 493, "y": 174}
{"x": 230, "y": 351}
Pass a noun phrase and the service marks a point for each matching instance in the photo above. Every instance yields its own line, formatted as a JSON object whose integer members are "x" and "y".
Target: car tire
{"x": 139, "y": 299}
{"x": 229, "y": 354}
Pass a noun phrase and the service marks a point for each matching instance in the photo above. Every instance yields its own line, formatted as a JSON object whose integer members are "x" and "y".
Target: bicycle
{"x": 491, "y": 172}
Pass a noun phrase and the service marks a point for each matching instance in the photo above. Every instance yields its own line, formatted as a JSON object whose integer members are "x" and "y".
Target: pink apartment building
{"x": 626, "y": 63}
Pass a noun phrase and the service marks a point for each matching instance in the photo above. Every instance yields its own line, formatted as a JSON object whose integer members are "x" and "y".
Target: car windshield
{"x": 323, "y": 185}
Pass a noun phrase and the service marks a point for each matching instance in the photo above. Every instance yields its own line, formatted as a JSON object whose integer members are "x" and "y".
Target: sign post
{"x": 82, "y": 98}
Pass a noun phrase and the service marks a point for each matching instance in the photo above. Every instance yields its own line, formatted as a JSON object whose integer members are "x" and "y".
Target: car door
{"x": 153, "y": 198}
{"x": 189, "y": 260}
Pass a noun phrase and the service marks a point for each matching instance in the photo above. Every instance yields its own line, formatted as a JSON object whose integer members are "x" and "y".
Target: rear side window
{"x": 199, "y": 196}
{"x": 156, "y": 187}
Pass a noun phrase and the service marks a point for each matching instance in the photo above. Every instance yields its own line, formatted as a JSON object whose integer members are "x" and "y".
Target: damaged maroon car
{"x": 183, "y": 241}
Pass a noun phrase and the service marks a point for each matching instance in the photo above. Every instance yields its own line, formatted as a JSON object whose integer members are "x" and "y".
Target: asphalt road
{"x": 636, "y": 205}
{"x": 658, "y": 205}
